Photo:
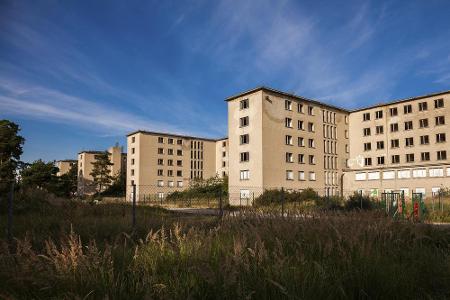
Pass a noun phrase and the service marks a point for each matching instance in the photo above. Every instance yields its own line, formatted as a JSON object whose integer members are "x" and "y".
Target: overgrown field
{"x": 89, "y": 252}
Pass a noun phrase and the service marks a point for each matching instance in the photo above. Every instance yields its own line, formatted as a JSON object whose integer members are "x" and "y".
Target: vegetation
{"x": 202, "y": 189}
{"x": 101, "y": 171}
{"x": 117, "y": 188}
{"x": 82, "y": 251}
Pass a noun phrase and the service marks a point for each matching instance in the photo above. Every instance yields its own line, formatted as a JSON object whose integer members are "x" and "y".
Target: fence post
{"x": 253, "y": 198}
{"x": 134, "y": 206}
{"x": 282, "y": 202}
{"x": 10, "y": 211}
{"x": 220, "y": 204}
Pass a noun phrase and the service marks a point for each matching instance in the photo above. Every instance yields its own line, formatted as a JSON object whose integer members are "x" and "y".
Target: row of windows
{"x": 409, "y": 158}
{"x": 330, "y": 147}
{"x": 300, "y": 158}
{"x": 300, "y": 107}
{"x": 408, "y": 125}
{"x": 330, "y": 132}
{"x": 196, "y": 154}
{"x": 288, "y": 123}
{"x": 170, "y": 141}
{"x": 330, "y": 162}
{"x": 328, "y": 117}
{"x": 402, "y": 174}
{"x": 301, "y": 175}
{"x": 407, "y": 109}
{"x": 331, "y": 178}
{"x": 289, "y": 140}
{"x": 409, "y": 142}
{"x": 160, "y": 172}
{"x": 169, "y": 162}
{"x": 170, "y": 151}
{"x": 170, "y": 183}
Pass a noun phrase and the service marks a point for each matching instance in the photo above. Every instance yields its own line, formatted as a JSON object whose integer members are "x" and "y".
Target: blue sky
{"x": 81, "y": 74}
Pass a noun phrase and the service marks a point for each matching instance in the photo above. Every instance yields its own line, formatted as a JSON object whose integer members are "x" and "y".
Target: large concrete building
{"x": 85, "y": 167}
{"x": 281, "y": 140}
{"x": 161, "y": 163}
{"x": 64, "y": 166}
{"x": 400, "y": 146}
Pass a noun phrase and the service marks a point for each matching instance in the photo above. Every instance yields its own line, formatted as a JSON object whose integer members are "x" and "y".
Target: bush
{"x": 29, "y": 200}
{"x": 359, "y": 201}
{"x": 329, "y": 202}
{"x": 270, "y": 197}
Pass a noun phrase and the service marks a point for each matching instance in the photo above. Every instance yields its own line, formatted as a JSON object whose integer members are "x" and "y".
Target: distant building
{"x": 85, "y": 167}
{"x": 64, "y": 166}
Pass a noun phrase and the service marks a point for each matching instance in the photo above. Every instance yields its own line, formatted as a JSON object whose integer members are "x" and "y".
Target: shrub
{"x": 329, "y": 202}
{"x": 274, "y": 196}
{"x": 359, "y": 201}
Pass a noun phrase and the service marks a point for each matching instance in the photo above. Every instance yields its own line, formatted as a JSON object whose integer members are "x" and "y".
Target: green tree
{"x": 10, "y": 151}
{"x": 68, "y": 182}
{"x": 40, "y": 174}
{"x": 101, "y": 172}
{"x": 118, "y": 187}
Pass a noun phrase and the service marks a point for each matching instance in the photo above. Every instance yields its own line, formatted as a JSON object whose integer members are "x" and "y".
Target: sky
{"x": 80, "y": 75}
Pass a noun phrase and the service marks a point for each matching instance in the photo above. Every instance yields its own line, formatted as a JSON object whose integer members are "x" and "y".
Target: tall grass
{"x": 330, "y": 256}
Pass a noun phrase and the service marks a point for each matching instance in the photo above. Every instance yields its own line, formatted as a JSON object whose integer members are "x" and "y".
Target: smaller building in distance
{"x": 85, "y": 167}
{"x": 162, "y": 163}
{"x": 64, "y": 166}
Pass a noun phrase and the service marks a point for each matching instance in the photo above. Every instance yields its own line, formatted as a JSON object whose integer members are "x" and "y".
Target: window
{"x": 132, "y": 162}
{"x": 244, "y": 138}
{"x": 395, "y": 143}
{"x": 243, "y": 121}
{"x": 410, "y": 157}
{"x": 301, "y": 158}
{"x": 367, "y": 146}
{"x": 404, "y": 174}
{"x": 132, "y": 172}
{"x": 170, "y": 162}
{"x": 312, "y": 160}
{"x": 170, "y": 183}
{"x": 440, "y": 137}
{"x": 160, "y": 151}
{"x": 244, "y": 175}
{"x": 133, "y": 139}
{"x": 179, "y": 142}
{"x": 179, "y": 163}
{"x": 425, "y": 156}
{"x": 179, "y": 152}
{"x": 408, "y": 125}
{"x": 424, "y": 139}
{"x": 300, "y": 108}
{"x": 245, "y": 156}
{"x": 160, "y": 172}
{"x": 366, "y": 131}
{"x": 373, "y": 175}
{"x": 380, "y": 160}
{"x": 289, "y": 175}
{"x": 393, "y": 111}
{"x": 368, "y": 161}
{"x": 395, "y": 159}
{"x": 436, "y": 172}
{"x": 170, "y": 151}
{"x": 288, "y": 122}
{"x": 389, "y": 175}
{"x": 312, "y": 176}
{"x": 160, "y": 183}
{"x": 161, "y": 140}
{"x": 179, "y": 183}
{"x": 360, "y": 176}
{"x": 378, "y": 114}
{"x": 419, "y": 173}
{"x": 366, "y": 117}
{"x": 224, "y": 164}
{"x": 289, "y": 157}
{"x": 423, "y": 106}
{"x": 394, "y": 127}
{"x": 243, "y": 104}
{"x": 379, "y": 129}
{"x": 409, "y": 142}
{"x": 224, "y": 144}
{"x": 287, "y": 105}
{"x": 132, "y": 150}
{"x": 224, "y": 154}
{"x": 180, "y": 173}
{"x": 301, "y": 142}
{"x": 442, "y": 155}
{"x": 300, "y": 125}
{"x": 170, "y": 173}
{"x": 310, "y": 110}
{"x": 440, "y": 120}
{"x": 438, "y": 103}
{"x": 311, "y": 127}
{"x": 288, "y": 140}
{"x": 423, "y": 123}
{"x": 311, "y": 143}
{"x": 301, "y": 175}
{"x": 380, "y": 145}
{"x": 407, "y": 109}
{"x": 170, "y": 141}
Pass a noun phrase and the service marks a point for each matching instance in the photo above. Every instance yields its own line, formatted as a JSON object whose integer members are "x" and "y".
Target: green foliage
{"x": 329, "y": 203}
{"x": 40, "y": 174}
{"x": 360, "y": 201}
{"x": 275, "y": 196}
{"x": 202, "y": 189}
{"x": 101, "y": 171}
{"x": 10, "y": 151}
{"x": 117, "y": 188}
{"x": 67, "y": 183}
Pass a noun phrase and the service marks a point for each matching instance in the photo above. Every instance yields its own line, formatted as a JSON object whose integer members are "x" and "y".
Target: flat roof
{"x": 175, "y": 135}
{"x": 270, "y": 90}
{"x": 332, "y": 106}
{"x": 401, "y": 101}
{"x": 67, "y": 160}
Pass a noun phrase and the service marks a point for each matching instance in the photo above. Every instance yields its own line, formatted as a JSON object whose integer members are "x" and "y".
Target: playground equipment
{"x": 394, "y": 203}
{"x": 418, "y": 207}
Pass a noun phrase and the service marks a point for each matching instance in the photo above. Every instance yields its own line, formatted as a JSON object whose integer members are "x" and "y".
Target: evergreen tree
{"x": 40, "y": 174}
{"x": 101, "y": 172}
{"x": 68, "y": 182}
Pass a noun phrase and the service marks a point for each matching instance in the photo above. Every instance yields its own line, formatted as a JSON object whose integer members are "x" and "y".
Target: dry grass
{"x": 331, "y": 256}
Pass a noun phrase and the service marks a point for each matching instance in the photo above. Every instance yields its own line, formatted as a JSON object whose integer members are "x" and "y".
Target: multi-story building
{"x": 222, "y": 157}
{"x": 85, "y": 167}
{"x": 280, "y": 140}
{"x": 64, "y": 166}
{"x": 400, "y": 146}
{"x": 161, "y": 163}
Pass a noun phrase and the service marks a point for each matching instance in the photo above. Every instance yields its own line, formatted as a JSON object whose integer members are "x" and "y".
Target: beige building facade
{"x": 280, "y": 140}
{"x": 161, "y": 163}
{"x": 400, "y": 146}
{"x": 85, "y": 167}
{"x": 64, "y": 166}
